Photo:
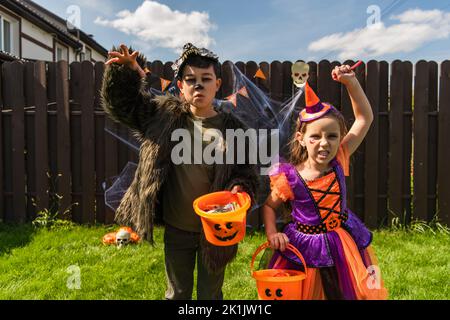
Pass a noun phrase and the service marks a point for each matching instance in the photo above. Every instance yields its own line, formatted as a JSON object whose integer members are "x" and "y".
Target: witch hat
{"x": 314, "y": 107}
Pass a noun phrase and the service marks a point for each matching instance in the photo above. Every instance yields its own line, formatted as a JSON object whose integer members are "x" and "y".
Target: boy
{"x": 162, "y": 190}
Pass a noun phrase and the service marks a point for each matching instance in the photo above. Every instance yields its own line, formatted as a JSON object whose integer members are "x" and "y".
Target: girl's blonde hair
{"x": 297, "y": 153}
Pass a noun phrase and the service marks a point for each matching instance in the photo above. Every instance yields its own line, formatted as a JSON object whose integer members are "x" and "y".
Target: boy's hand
{"x": 278, "y": 241}
{"x": 236, "y": 189}
{"x": 125, "y": 58}
{"x": 343, "y": 74}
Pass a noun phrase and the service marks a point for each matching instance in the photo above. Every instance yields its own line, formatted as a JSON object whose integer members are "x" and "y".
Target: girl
{"x": 333, "y": 241}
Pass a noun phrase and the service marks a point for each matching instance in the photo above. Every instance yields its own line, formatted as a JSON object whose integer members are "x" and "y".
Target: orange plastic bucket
{"x": 223, "y": 229}
{"x": 279, "y": 284}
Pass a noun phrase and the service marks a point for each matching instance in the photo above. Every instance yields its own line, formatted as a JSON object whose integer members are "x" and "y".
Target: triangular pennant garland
{"x": 243, "y": 92}
{"x": 164, "y": 84}
{"x": 260, "y": 74}
{"x": 232, "y": 99}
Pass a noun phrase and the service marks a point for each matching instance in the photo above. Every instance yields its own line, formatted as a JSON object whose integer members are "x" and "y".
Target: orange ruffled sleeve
{"x": 280, "y": 186}
{"x": 344, "y": 159}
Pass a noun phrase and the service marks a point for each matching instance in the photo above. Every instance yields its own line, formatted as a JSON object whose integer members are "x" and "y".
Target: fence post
{"x": 420, "y": 159}
{"x": 372, "y": 145}
{"x": 64, "y": 187}
{"x": 87, "y": 142}
{"x": 444, "y": 148}
{"x": 2, "y": 211}
{"x": 41, "y": 137}
{"x": 100, "y": 214}
{"x": 76, "y": 140}
{"x": 14, "y": 73}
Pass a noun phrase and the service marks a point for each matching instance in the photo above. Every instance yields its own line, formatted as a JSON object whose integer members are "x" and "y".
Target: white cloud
{"x": 161, "y": 26}
{"x": 415, "y": 28}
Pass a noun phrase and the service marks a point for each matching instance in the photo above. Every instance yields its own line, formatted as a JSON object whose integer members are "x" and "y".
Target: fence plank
{"x": 2, "y": 209}
{"x": 41, "y": 137}
{"x": 227, "y": 79}
{"x": 383, "y": 142}
{"x": 432, "y": 141}
{"x": 264, "y": 85}
{"x": 241, "y": 66}
{"x": 87, "y": 144}
{"x": 444, "y": 150}
{"x": 287, "y": 84}
{"x": 64, "y": 187}
{"x": 396, "y": 141}
{"x": 157, "y": 69}
{"x": 328, "y": 89}
{"x": 51, "y": 87}
{"x": 407, "y": 139}
{"x": 30, "y": 150}
{"x": 334, "y": 97}
{"x": 250, "y": 70}
{"x": 421, "y": 101}
{"x": 100, "y": 214}
{"x": 14, "y": 72}
{"x": 372, "y": 148}
{"x": 358, "y": 161}
{"x": 76, "y": 140}
{"x": 276, "y": 81}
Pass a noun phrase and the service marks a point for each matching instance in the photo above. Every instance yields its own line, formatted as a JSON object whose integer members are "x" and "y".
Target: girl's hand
{"x": 343, "y": 74}
{"x": 278, "y": 241}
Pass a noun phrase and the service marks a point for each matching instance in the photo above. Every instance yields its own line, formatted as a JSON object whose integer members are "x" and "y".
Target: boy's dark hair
{"x": 200, "y": 62}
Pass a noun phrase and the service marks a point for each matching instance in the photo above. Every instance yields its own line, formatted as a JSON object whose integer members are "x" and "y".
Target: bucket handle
{"x": 289, "y": 246}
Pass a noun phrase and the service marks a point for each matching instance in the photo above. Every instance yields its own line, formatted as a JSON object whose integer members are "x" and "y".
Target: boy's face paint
{"x": 199, "y": 86}
{"x": 321, "y": 139}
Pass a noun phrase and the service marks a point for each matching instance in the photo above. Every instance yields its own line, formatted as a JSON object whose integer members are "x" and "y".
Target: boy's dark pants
{"x": 182, "y": 249}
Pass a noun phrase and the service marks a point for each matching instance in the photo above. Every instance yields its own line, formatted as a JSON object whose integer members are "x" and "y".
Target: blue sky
{"x": 270, "y": 30}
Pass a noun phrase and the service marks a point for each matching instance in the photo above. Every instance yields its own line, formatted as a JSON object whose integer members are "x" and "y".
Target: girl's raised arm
{"x": 361, "y": 108}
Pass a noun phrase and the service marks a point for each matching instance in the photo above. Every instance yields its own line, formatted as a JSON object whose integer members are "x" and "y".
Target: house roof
{"x": 52, "y": 23}
{"x": 6, "y": 56}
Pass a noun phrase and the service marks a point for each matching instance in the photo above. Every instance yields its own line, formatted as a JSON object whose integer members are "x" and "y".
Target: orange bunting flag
{"x": 232, "y": 99}
{"x": 164, "y": 84}
{"x": 243, "y": 92}
{"x": 260, "y": 74}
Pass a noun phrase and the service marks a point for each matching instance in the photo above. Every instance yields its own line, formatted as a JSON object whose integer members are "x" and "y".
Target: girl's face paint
{"x": 321, "y": 139}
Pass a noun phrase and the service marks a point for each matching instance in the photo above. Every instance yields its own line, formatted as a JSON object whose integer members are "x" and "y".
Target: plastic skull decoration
{"x": 300, "y": 73}
{"x": 122, "y": 238}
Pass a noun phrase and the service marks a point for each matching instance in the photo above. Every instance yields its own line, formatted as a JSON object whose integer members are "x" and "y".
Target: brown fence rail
{"x": 53, "y": 142}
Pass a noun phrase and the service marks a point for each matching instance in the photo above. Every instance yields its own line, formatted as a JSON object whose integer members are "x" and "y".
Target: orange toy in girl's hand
{"x": 122, "y": 237}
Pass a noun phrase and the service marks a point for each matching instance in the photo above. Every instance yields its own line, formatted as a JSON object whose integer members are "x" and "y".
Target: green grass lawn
{"x": 34, "y": 265}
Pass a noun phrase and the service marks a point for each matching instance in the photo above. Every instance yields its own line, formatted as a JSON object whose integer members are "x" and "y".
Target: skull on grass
{"x": 122, "y": 238}
{"x": 300, "y": 73}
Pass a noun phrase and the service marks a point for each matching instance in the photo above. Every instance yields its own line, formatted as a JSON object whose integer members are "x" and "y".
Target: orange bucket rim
{"x": 277, "y": 279}
{"x": 266, "y": 278}
{"x": 205, "y": 214}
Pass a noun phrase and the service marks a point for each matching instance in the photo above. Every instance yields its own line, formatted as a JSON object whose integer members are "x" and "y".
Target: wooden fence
{"x": 53, "y": 142}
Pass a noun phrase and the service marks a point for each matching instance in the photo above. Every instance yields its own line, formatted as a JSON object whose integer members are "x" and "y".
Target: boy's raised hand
{"x": 124, "y": 57}
{"x": 343, "y": 74}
